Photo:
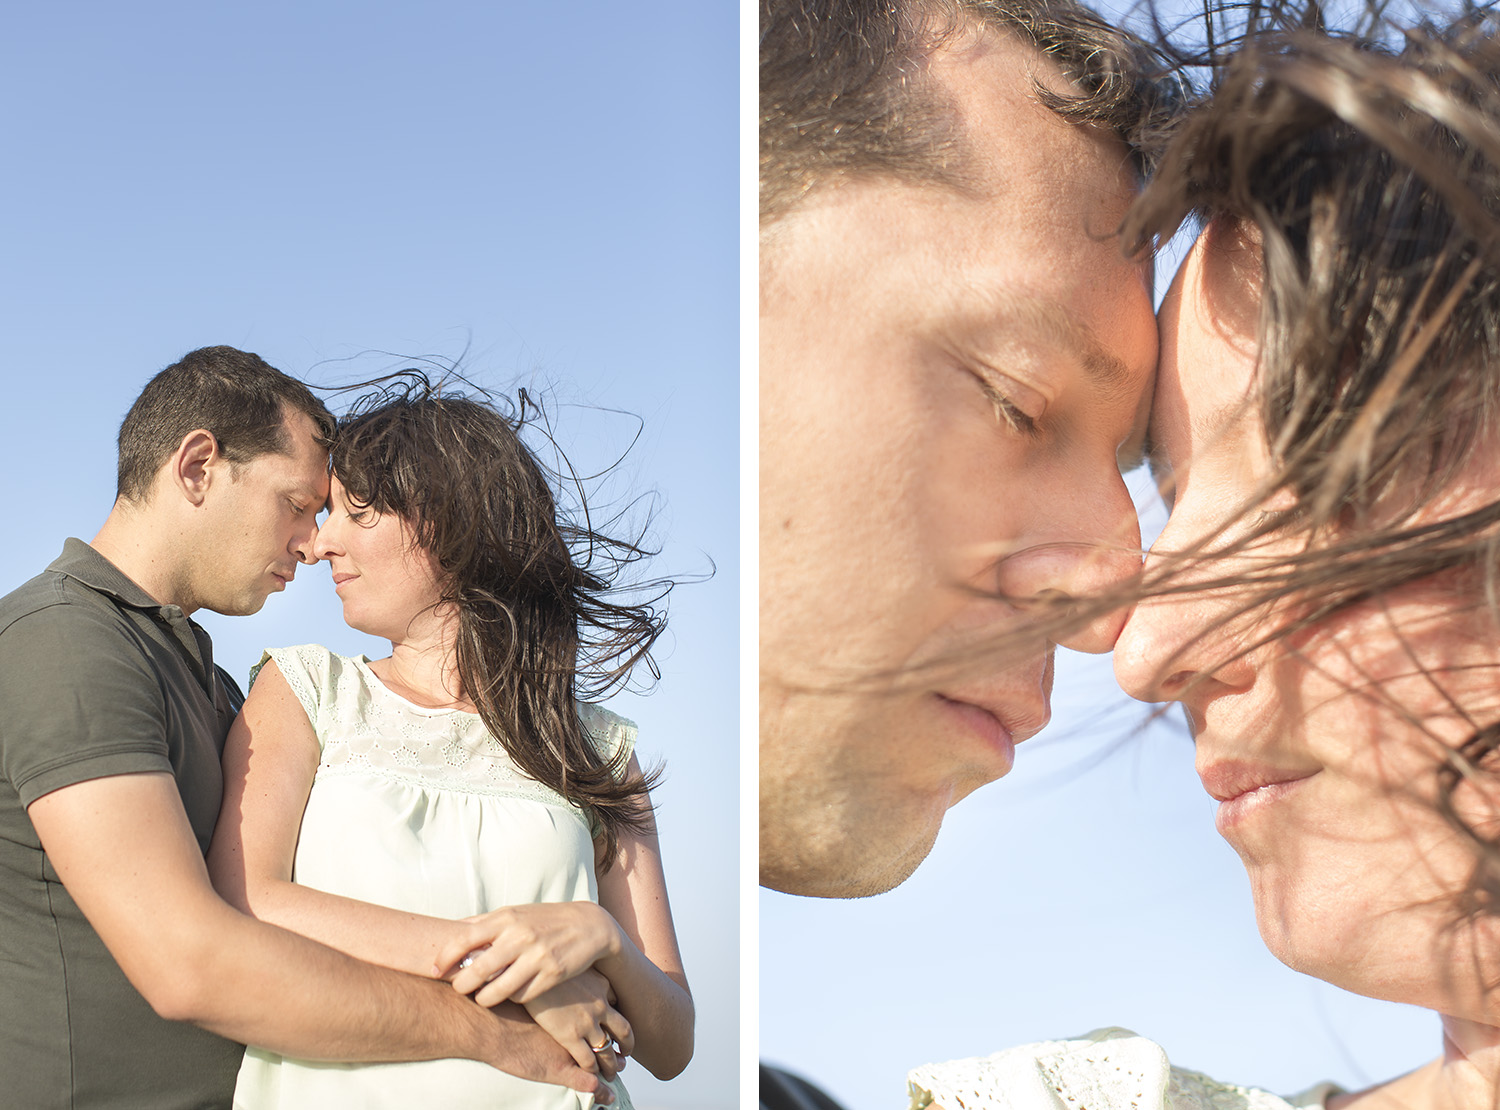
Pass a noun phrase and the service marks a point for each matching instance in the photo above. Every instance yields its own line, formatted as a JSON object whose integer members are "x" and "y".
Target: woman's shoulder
{"x": 1109, "y": 1067}
{"x": 304, "y": 659}
{"x": 314, "y": 673}
{"x": 610, "y": 732}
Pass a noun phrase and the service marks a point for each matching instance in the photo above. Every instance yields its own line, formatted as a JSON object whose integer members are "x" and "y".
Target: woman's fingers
{"x": 524, "y": 979}
{"x": 580, "y": 1019}
{"x": 513, "y": 983}
{"x": 582, "y": 1054}
{"x": 531, "y": 982}
{"x": 619, "y": 1029}
{"x": 545, "y": 943}
{"x": 463, "y": 947}
{"x": 611, "y": 1063}
{"x": 499, "y": 963}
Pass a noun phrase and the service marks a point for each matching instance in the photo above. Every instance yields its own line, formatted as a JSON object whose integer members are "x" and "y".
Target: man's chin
{"x": 240, "y": 607}
{"x": 847, "y": 864}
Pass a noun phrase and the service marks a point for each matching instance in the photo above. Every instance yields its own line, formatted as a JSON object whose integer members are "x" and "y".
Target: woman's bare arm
{"x": 269, "y": 762}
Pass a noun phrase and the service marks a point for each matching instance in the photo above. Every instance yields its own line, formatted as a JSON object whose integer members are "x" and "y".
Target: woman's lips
{"x": 1244, "y": 789}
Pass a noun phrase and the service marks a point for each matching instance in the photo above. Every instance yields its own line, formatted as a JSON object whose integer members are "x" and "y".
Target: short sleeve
{"x": 310, "y": 671}
{"x": 81, "y": 701}
{"x": 612, "y": 734}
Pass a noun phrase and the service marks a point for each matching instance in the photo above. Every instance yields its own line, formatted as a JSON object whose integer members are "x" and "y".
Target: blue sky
{"x": 344, "y": 188}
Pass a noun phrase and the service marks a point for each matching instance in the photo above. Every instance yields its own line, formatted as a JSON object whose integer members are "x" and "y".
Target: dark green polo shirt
{"x": 97, "y": 679}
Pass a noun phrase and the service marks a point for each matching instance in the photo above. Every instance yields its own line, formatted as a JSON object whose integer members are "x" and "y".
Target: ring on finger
{"x": 605, "y": 1047}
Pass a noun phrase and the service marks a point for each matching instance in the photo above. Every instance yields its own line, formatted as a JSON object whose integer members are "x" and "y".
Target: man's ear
{"x": 192, "y": 466}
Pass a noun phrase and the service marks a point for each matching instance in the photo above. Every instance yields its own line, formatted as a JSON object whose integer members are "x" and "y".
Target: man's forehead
{"x": 972, "y": 39}
{"x": 300, "y": 464}
{"x": 989, "y": 79}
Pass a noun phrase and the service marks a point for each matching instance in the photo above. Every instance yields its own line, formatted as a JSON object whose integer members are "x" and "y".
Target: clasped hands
{"x": 543, "y": 955}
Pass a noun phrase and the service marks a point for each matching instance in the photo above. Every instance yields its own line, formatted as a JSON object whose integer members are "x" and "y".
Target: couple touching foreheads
{"x": 959, "y": 359}
{"x": 429, "y": 879}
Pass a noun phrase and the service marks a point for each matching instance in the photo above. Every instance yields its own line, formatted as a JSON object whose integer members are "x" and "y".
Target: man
{"x": 953, "y": 351}
{"x": 112, "y": 717}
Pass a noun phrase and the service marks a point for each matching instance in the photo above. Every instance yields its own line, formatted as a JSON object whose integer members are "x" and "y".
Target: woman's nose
{"x": 325, "y": 542}
{"x": 1181, "y": 647}
{"x": 1149, "y": 650}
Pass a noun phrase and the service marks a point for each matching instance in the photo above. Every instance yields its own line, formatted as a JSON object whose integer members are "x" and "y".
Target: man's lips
{"x": 1003, "y": 726}
{"x": 977, "y": 719}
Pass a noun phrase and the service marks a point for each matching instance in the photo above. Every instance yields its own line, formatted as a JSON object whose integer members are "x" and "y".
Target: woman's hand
{"x": 522, "y": 952}
{"x": 580, "y": 1016}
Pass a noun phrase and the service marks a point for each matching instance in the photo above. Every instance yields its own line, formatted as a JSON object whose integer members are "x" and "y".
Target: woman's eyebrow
{"x": 1218, "y": 423}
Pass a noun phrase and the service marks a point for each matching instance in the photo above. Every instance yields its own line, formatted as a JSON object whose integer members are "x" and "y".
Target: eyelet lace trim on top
{"x": 1110, "y": 1069}
{"x": 364, "y": 728}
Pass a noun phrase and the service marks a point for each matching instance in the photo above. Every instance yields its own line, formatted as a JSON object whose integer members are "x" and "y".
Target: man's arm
{"x": 124, "y": 849}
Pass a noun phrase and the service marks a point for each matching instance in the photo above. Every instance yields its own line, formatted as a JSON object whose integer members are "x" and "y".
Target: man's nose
{"x": 322, "y": 542}
{"x": 305, "y": 545}
{"x": 1095, "y": 578}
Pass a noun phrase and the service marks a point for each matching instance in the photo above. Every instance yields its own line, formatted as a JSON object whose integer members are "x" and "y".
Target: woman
{"x": 1323, "y": 599}
{"x": 454, "y": 808}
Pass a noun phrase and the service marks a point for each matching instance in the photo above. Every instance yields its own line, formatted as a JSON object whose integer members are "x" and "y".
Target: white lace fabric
{"x": 1110, "y": 1069}
{"x": 365, "y": 728}
{"x": 422, "y": 810}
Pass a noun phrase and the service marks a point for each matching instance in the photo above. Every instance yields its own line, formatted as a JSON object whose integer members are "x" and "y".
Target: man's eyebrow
{"x": 307, "y": 492}
{"x": 1054, "y": 323}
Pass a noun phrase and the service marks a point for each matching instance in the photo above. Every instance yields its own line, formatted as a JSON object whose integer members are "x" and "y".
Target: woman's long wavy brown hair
{"x": 545, "y": 615}
{"x": 1363, "y": 162}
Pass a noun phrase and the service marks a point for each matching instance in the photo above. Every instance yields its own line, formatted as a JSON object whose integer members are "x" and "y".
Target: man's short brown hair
{"x": 233, "y": 394}
{"x": 841, "y": 86}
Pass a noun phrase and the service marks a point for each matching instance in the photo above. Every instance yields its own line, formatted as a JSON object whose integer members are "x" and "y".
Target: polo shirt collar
{"x": 79, "y": 560}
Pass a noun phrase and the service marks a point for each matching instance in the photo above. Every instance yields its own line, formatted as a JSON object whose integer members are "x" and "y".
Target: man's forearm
{"x": 265, "y": 986}
{"x": 123, "y": 848}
